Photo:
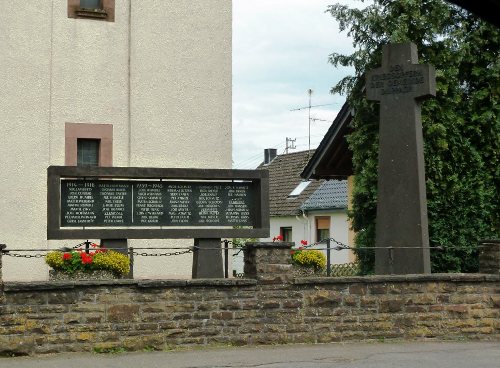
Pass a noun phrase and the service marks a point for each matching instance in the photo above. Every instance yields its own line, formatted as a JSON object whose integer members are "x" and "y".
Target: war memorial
{"x": 269, "y": 305}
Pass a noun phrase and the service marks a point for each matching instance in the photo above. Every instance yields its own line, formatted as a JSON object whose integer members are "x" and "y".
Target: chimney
{"x": 269, "y": 155}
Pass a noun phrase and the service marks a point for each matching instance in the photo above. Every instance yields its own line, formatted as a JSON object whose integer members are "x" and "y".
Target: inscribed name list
{"x": 153, "y": 203}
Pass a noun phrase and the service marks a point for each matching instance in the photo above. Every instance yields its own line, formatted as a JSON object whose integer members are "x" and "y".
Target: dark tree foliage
{"x": 461, "y": 125}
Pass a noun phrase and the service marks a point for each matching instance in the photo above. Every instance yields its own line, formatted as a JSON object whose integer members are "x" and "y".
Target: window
{"x": 322, "y": 228}
{"x": 90, "y": 4}
{"x": 92, "y": 9}
{"x": 299, "y": 189}
{"x": 87, "y": 152}
{"x": 286, "y": 233}
{"x": 89, "y": 144}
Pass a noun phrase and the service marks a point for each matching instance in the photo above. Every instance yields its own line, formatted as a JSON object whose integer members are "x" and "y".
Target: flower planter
{"x": 57, "y": 275}
{"x": 300, "y": 271}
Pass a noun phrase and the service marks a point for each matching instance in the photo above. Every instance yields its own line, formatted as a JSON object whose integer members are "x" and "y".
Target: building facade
{"x": 307, "y": 210}
{"x": 113, "y": 83}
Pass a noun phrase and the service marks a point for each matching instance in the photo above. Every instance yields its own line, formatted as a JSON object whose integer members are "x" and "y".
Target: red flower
{"x": 86, "y": 258}
{"x": 66, "y": 256}
{"x": 303, "y": 242}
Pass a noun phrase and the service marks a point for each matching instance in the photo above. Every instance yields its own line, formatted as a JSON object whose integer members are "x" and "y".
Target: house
{"x": 108, "y": 83}
{"x": 304, "y": 209}
{"x": 333, "y": 158}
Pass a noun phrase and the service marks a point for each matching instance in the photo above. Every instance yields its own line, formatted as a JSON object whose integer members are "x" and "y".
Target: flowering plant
{"x": 308, "y": 258}
{"x": 97, "y": 259}
{"x": 278, "y": 238}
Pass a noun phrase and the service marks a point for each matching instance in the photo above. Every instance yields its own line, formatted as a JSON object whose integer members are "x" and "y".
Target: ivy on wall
{"x": 461, "y": 125}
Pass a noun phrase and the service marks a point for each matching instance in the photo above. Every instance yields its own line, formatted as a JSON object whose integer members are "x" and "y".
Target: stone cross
{"x": 402, "y": 239}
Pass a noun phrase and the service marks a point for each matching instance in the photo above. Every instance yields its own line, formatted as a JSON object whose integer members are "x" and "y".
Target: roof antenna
{"x": 309, "y": 92}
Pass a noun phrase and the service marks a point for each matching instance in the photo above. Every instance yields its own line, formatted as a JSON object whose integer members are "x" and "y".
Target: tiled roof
{"x": 284, "y": 176}
{"x": 331, "y": 194}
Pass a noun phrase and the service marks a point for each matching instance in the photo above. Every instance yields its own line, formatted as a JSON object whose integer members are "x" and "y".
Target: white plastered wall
{"x": 339, "y": 230}
{"x": 304, "y": 228}
{"x": 160, "y": 74}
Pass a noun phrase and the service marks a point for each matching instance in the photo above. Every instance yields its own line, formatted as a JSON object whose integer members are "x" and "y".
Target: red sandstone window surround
{"x": 83, "y": 131}
{"x": 92, "y": 9}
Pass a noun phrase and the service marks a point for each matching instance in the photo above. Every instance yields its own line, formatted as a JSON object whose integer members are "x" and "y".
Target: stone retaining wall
{"x": 46, "y": 317}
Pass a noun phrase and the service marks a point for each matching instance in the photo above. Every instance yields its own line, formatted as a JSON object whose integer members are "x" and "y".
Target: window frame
{"x": 105, "y": 13}
{"x": 286, "y": 230}
{"x": 322, "y": 223}
{"x": 102, "y": 132}
{"x": 297, "y": 191}
{"x": 81, "y": 142}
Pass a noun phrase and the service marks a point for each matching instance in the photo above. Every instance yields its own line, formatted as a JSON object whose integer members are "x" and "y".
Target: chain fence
{"x": 328, "y": 245}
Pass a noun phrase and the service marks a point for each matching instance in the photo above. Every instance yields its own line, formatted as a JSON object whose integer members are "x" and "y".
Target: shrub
{"x": 101, "y": 259}
{"x": 309, "y": 258}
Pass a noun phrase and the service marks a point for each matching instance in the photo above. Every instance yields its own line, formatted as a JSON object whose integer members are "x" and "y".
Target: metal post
{"x": 2, "y": 247}
{"x": 226, "y": 258}
{"x": 328, "y": 260}
{"x": 87, "y": 247}
{"x": 131, "y": 260}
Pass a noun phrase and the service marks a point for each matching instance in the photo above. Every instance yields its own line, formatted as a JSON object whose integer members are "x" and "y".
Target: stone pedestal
{"x": 268, "y": 262}
{"x": 207, "y": 259}
{"x": 489, "y": 256}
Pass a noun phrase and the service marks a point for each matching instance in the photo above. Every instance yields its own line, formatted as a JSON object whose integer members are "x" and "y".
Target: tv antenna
{"x": 316, "y": 119}
{"x": 290, "y": 144}
{"x": 310, "y": 92}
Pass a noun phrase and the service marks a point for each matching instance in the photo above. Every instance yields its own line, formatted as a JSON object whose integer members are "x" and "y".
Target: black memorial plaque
{"x": 116, "y": 203}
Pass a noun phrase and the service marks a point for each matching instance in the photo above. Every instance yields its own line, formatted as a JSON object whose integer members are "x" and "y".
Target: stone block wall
{"x": 47, "y": 317}
{"x": 268, "y": 262}
{"x": 489, "y": 256}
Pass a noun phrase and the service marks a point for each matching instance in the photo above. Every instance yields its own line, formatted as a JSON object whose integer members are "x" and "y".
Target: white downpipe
{"x": 305, "y": 220}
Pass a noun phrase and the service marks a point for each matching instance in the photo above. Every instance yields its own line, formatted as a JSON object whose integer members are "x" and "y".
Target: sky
{"x": 280, "y": 51}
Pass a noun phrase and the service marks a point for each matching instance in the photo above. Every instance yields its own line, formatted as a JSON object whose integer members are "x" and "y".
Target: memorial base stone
{"x": 56, "y": 275}
{"x": 207, "y": 259}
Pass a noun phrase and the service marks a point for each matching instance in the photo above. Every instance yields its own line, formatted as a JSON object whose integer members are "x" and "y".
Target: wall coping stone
{"x": 141, "y": 284}
{"x": 449, "y": 277}
{"x": 269, "y": 245}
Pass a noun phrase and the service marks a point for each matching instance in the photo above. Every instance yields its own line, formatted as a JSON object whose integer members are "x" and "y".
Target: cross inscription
{"x": 402, "y": 240}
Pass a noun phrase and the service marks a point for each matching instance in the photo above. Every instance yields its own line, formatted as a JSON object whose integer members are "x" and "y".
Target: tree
{"x": 461, "y": 126}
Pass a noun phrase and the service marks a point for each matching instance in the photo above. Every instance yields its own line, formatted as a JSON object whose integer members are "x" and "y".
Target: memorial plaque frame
{"x": 259, "y": 180}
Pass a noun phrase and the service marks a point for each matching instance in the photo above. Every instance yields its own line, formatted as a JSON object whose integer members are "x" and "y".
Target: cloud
{"x": 280, "y": 50}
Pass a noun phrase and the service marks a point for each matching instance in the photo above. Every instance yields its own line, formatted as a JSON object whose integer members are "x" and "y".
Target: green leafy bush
{"x": 461, "y": 125}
